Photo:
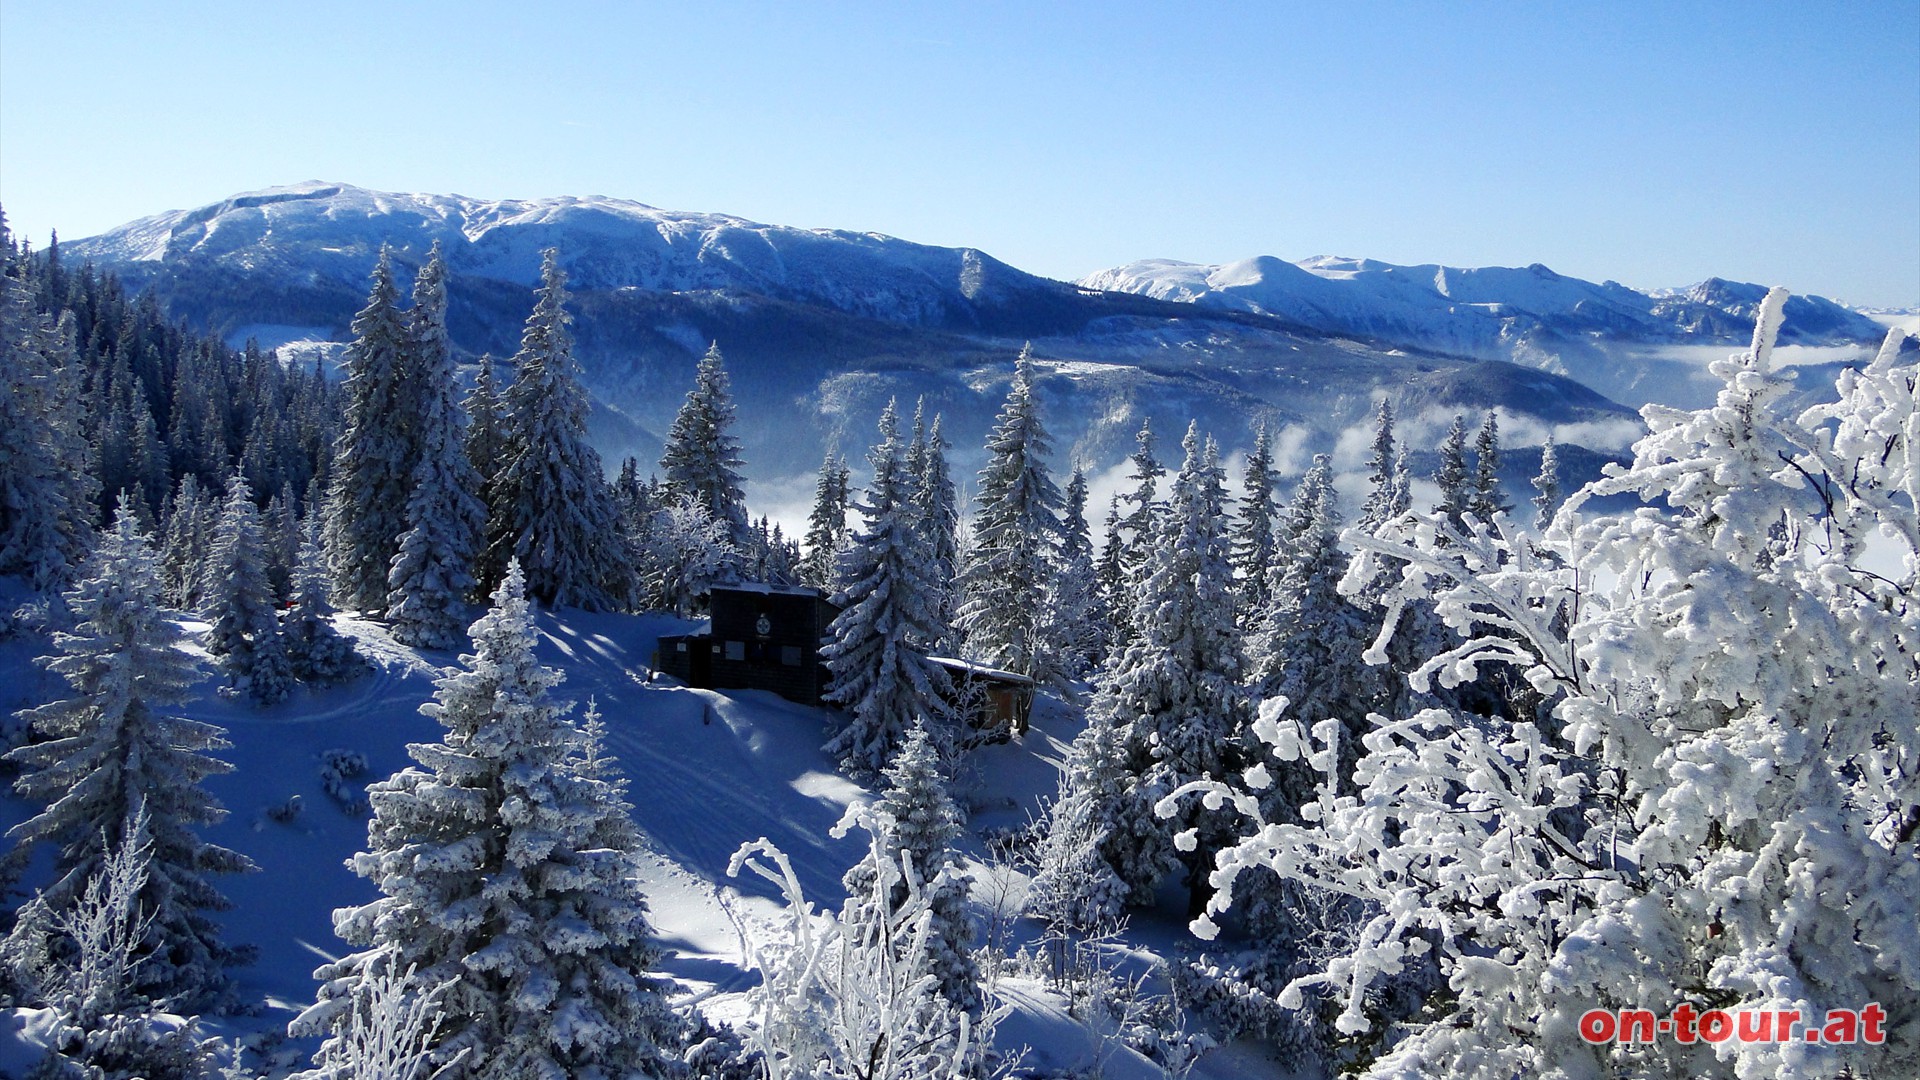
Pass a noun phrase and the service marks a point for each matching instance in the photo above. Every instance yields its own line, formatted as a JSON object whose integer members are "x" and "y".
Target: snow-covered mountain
{"x": 1632, "y": 346}
{"x": 820, "y": 327}
{"x": 1494, "y": 312}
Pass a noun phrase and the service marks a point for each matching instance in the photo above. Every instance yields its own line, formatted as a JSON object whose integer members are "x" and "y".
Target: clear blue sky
{"x": 1652, "y": 143}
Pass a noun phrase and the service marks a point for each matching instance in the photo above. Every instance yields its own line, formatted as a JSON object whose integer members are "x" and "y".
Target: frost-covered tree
{"x": 1452, "y": 476}
{"x": 1077, "y": 624}
{"x": 374, "y": 457}
{"x": 507, "y": 875}
{"x": 939, "y": 512}
{"x": 317, "y": 652}
{"x": 1253, "y": 546}
{"x": 701, "y": 459}
{"x": 48, "y": 485}
{"x": 1175, "y": 690}
{"x": 1015, "y": 535}
{"x": 1546, "y": 483}
{"x": 1382, "y": 504}
{"x": 1075, "y": 887}
{"x": 850, "y": 997}
{"x": 244, "y": 635}
{"x": 108, "y": 750}
{"x": 432, "y": 572}
{"x": 1484, "y": 501}
{"x": 876, "y": 647}
{"x": 102, "y": 1028}
{"x": 683, "y": 554}
{"x": 918, "y": 824}
{"x": 187, "y": 544}
{"x": 552, "y": 508}
{"x": 483, "y": 441}
{"x": 1311, "y": 637}
{"x": 827, "y": 525}
{"x": 1717, "y": 818}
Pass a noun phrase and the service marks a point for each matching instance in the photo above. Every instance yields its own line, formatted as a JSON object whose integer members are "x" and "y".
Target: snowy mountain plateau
{"x": 821, "y": 327}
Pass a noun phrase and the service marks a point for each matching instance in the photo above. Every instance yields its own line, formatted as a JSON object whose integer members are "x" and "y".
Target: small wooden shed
{"x": 988, "y": 698}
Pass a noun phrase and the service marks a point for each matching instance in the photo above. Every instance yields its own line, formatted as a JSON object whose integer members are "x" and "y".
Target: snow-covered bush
{"x": 1727, "y": 812}
{"x": 338, "y": 771}
{"x": 853, "y": 996}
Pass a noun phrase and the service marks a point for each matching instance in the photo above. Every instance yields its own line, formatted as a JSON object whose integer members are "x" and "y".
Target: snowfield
{"x": 709, "y": 770}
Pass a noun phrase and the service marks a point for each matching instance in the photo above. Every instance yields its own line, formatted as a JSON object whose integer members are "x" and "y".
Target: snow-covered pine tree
{"x": 1089, "y": 832}
{"x": 1253, "y": 548}
{"x": 1723, "y": 692}
{"x": 1175, "y": 690}
{"x": 1382, "y": 504}
{"x": 1484, "y": 501}
{"x": 47, "y": 482}
{"x": 317, "y": 652}
{"x": 485, "y": 430}
{"x": 552, "y": 507}
{"x": 432, "y": 572}
{"x": 1452, "y": 477}
{"x": 1137, "y": 525}
{"x": 109, "y": 749}
{"x": 1112, "y": 571}
{"x": 918, "y": 824}
{"x": 507, "y": 876}
{"x": 245, "y": 632}
{"x": 1311, "y": 637}
{"x": 827, "y": 525}
{"x": 375, "y": 454}
{"x": 185, "y": 551}
{"x": 876, "y": 645}
{"x": 1547, "y": 483}
{"x": 701, "y": 459}
{"x": 1015, "y": 535}
{"x": 940, "y": 519}
{"x": 1077, "y": 624}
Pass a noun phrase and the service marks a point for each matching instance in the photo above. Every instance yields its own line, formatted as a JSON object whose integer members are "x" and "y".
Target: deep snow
{"x": 708, "y": 771}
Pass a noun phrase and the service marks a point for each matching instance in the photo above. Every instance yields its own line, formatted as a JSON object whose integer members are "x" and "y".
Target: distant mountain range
{"x": 820, "y": 327}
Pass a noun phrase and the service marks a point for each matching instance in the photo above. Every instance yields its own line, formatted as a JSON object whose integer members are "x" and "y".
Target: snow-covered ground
{"x": 708, "y": 771}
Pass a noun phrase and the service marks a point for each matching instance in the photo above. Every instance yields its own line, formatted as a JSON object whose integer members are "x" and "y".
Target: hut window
{"x": 736, "y": 650}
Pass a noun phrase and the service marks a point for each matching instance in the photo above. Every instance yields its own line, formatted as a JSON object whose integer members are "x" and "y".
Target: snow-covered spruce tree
{"x": 1111, "y": 569}
{"x": 1723, "y": 823}
{"x": 507, "y": 876}
{"x": 187, "y": 544}
{"x": 1311, "y": 637}
{"x": 876, "y": 645}
{"x": 940, "y": 520}
{"x": 918, "y": 824}
{"x": 1015, "y": 534}
{"x": 432, "y": 573}
{"x": 1175, "y": 690}
{"x": 1075, "y": 887}
{"x": 1484, "y": 501}
{"x": 1137, "y": 527}
{"x": 108, "y": 750}
{"x": 485, "y": 429}
{"x": 1077, "y": 624}
{"x": 701, "y": 459}
{"x": 1452, "y": 477}
{"x": 552, "y": 507}
{"x": 374, "y": 457}
{"x": 245, "y": 633}
{"x": 1253, "y": 546}
{"x": 1547, "y": 484}
{"x": 318, "y": 653}
{"x": 47, "y": 482}
{"x": 1382, "y": 504}
{"x": 827, "y": 525}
